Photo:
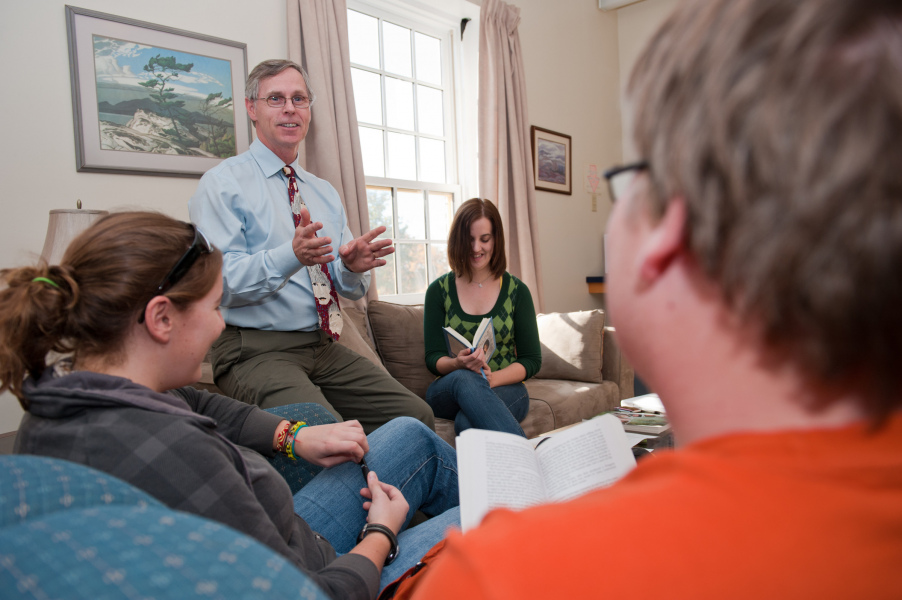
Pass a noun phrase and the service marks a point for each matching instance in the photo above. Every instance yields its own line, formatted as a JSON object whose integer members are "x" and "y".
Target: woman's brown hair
{"x": 87, "y": 304}
{"x": 459, "y": 238}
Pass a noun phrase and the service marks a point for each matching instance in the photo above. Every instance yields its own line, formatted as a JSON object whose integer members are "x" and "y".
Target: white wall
{"x": 570, "y": 58}
{"x": 637, "y": 23}
{"x": 37, "y": 156}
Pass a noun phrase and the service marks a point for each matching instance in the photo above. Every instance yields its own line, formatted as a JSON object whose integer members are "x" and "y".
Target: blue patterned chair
{"x": 298, "y": 472}
{"x": 69, "y": 531}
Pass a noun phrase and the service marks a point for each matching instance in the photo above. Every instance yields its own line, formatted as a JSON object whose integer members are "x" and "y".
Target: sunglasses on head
{"x": 200, "y": 245}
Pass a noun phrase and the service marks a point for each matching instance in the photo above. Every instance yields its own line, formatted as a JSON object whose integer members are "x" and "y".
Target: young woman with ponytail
{"x": 97, "y": 350}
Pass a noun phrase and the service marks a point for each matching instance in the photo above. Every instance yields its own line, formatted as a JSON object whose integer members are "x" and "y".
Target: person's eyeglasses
{"x": 619, "y": 178}
{"x": 279, "y": 101}
{"x": 200, "y": 245}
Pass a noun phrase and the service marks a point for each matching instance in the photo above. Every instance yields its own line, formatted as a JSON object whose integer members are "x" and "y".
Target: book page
{"x": 485, "y": 338}
{"x": 591, "y": 455}
{"x": 495, "y": 469}
{"x": 455, "y": 342}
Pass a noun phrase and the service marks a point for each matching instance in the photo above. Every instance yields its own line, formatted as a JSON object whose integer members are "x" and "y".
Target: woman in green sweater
{"x": 485, "y": 392}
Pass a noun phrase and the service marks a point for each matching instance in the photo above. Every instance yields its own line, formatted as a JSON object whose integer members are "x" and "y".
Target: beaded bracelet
{"x": 281, "y": 438}
{"x": 292, "y": 433}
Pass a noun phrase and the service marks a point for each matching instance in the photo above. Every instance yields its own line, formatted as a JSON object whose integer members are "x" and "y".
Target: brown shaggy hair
{"x": 778, "y": 123}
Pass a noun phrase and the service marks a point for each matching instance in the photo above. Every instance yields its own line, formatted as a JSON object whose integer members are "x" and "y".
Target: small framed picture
{"x": 153, "y": 100}
{"x": 551, "y": 160}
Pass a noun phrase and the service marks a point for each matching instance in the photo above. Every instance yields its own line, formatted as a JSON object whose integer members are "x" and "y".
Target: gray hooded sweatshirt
{"x": 194, "y": 451}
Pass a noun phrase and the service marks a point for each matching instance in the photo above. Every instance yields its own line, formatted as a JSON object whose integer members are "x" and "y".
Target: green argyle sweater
{"x": 513, "y": 316}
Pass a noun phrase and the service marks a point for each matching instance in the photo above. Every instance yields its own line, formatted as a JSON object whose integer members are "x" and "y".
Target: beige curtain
{"x": 505, "y": 155}
{"x": 318, "y": 41}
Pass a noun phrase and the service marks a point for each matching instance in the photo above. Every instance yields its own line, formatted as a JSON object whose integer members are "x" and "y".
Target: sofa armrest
{"x": 615, "y": 367}
{"x": 298, "y": 473}
{"x": 71, "y": 531}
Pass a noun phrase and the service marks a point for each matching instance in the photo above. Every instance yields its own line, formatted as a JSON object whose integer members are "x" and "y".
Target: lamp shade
{"x": 64, "y": 226}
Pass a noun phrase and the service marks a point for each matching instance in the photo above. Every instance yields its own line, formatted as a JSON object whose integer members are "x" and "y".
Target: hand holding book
{"x": 473, "y": 360}
{"x": 476, "y": 354}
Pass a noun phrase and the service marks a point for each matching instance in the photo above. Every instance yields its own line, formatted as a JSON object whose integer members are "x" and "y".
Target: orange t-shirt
{"x": 776, "y": 515}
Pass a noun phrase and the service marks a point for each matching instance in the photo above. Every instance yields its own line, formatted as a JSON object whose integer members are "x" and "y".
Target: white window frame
{"x": 460, "y": 144}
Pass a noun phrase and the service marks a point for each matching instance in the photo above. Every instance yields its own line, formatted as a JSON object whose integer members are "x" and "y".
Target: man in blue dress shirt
{"x": 277, "y": 347}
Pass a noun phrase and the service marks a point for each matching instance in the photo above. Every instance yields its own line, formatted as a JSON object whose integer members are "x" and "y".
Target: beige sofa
{"x": 582, "y": 374}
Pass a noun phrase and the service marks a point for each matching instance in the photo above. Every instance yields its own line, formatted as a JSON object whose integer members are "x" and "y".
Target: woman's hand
{"x": 473, "y": 360}
{"x": 489, "y": 376}
{"x": 385, "y": 503}
{"x": 333, "y": 444}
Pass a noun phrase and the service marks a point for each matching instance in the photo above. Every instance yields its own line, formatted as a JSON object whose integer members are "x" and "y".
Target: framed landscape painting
{"x": 154, "y": 100}
{"x": 551, "y": 161}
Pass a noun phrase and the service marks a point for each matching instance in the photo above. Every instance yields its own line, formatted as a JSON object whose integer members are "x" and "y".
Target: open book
{"x": 501, "y": 469}
{"x": 483, "y": 338}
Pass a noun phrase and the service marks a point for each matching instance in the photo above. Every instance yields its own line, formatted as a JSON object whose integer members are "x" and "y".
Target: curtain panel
{"x": 505, "y": 151}
{"x": 318, "y": 41}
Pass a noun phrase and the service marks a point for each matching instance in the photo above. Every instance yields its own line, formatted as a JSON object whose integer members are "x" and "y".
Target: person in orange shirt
{"x": 753, "y": 278}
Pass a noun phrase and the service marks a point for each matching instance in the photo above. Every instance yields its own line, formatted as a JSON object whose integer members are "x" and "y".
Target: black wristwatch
{"x": 395, "y": 549}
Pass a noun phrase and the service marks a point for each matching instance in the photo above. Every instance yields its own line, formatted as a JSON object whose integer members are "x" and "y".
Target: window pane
{"x": 399, "y": 103}
{"x": 430, "y": 115}
{"x": 363, "y": 38}
{"x": 411, "y": 215}
{"x": 441, "y": 213}
{"x": 402, "y": 157}
{"x": 378, "y": 202}
{"x": 367, "y": 96}
{"x": 439, "y": 254}
{"x": 396, "y": 43}
{"x": 386, "y": 282}
{"x": 412, "y": 268}
{"x": 372, "y": 151}
{"x": 429, "y": 58}
{"x": 432, "y": 160}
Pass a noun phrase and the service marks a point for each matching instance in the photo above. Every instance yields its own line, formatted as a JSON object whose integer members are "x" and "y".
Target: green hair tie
{"x": 45, "y": 280}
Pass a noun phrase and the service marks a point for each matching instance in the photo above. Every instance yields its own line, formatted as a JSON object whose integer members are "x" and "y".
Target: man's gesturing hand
{"x": 309, "y": 249}
{"x": 362, "y": 254}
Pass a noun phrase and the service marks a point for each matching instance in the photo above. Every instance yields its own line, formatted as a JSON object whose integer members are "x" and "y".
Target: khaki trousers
{"x": 274, "y": 368}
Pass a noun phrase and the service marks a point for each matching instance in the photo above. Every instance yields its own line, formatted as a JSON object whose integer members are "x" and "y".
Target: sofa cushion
{"x": 568, "y": 402}
{"x": 571, "y": 345}
{"x": 354, "y": 336}
{"x": 398, "y": 333}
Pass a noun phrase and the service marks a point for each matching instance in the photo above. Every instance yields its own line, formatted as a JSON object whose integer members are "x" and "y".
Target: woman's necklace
{"x": 484, "y": 280}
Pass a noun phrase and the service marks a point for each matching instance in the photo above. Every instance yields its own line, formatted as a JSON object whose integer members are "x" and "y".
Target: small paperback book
{"x": 498, "y": 469}
{"x": 483, "y": 338}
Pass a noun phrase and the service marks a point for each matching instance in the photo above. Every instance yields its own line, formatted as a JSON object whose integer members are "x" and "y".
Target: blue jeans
{"x": 466, "y": 397}
{"x": 409, "y": 456}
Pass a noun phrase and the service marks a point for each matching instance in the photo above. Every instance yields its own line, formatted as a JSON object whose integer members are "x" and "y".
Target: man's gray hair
{"x": 271, "y": 68}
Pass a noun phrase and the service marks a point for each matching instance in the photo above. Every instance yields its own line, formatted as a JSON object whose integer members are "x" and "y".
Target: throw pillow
{"x": 398, "y": 332}
{"x": 571, "y": 345}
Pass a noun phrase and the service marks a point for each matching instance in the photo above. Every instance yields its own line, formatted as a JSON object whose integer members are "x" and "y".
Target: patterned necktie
{"x": 328, "y": 311}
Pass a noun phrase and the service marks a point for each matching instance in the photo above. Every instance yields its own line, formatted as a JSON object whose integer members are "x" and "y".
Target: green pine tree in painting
{"x": 220, "y": 142}
{"x": 162, "y": 69}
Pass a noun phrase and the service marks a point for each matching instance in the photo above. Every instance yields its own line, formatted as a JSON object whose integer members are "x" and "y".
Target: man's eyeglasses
{"x": 619, "y": 178}
{"x": 279, "y": 101}
{"x": 200, "y": 245}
